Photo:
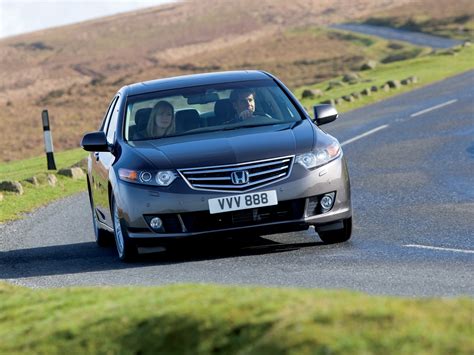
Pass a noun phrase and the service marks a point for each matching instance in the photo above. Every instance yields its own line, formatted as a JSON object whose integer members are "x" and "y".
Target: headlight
{"x": 165, "y": 177}
{"x": 320, "y": 156}
{"x": 154, "y": 178}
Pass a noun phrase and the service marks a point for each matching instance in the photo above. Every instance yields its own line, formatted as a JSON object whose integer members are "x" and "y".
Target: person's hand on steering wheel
{"x": 246, "y": 114}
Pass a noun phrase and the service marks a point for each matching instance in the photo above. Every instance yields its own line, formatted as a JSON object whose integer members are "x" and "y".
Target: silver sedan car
{"x": 230, "y": 152}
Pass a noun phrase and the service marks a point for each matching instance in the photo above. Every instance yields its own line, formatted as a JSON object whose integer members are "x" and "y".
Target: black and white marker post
{"x": 48, "y": 141}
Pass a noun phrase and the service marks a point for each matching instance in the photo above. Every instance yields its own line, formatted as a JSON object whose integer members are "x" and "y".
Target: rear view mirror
{"x": 203, "y": 98}
{"x": 324, "y": 113}
{"x": 95, "y": 142}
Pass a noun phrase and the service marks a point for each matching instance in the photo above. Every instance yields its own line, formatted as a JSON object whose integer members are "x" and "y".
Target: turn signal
{"x": 128, "y": 175}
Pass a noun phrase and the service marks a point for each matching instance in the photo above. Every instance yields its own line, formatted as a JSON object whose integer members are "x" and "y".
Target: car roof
{"x": 194, "y": 80}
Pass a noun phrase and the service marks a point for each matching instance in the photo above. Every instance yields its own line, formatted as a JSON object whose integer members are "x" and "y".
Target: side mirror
{"x": 324, "y": 113}
{"x": 95, "y": 142}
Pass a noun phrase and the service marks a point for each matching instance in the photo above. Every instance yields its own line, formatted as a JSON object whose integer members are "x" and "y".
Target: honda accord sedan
{"x": 216, "y": 153}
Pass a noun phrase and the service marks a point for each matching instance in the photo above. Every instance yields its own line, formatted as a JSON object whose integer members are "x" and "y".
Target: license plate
{"x": 242, "y": 202}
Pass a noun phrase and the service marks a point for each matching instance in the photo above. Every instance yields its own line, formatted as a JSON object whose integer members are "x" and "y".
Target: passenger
{"x": 243, "y": 101}
{"x": 162, "y": 122}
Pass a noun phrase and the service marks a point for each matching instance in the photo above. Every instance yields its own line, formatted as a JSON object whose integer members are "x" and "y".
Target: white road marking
{"x": 386, "y": 125}
{"x": 364, "y": 135}
{"x": 438, "y": 248}
{"x": 433, "y": 108}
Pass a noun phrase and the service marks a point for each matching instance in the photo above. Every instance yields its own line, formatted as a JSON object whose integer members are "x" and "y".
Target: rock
{"x": 33, "y": 180}
{"x": 317, "y": 92}
{"x": 405, "y": 81}
{"x": 81, "y": 164}
{"x": 366, "y": 92}
{"x": 393, "y": 84}
{"x": 395, "y": 45}
{"x": 350, "y": 78}
{"x": 74, "y": 173}
{"x": 52, "y": 180}
{"x": 374, "y": 88}
{"x": 348, "y": 98}
{"x": 311, "y": 93}
{"x": 338, "y": 101}
{"x": 355, "y": 95}
{"x": 385, "y": 87}
{"x": 1, "y": 196}
{"x": 466, "y": 43}
{"x": 334, "y": 84}
{"x": 329, "y": 102}
{"x": 11, "y": 186}
{"x": 413, "y": 79}
{"x": 307, "y": 94}
{"x": 369, "y": 65}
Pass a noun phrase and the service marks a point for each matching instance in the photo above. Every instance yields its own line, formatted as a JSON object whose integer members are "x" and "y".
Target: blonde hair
{"x": 152, "y": 127}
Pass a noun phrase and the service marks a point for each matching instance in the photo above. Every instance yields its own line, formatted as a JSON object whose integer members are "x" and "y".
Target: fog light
{"x": 326, "y": 202}
{"x": 156, "y": 223}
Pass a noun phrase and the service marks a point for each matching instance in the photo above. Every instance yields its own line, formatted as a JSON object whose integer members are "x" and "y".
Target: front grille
{"x": 218, "y": 178}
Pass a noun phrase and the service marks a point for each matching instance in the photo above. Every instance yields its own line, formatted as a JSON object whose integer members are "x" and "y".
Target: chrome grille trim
{"x": 230, "y": 169}
{"x": 265, "y": 172}
{"x": 210, "y": 178}
{"x": 241, "y": 186}
{"x": 268, "y": 171}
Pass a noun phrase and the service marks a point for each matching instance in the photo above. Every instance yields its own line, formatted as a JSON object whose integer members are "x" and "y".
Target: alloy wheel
{"x": 119, "y": 239}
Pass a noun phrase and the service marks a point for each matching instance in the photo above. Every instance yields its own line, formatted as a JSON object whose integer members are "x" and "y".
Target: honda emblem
{"x": 240, "y": 177}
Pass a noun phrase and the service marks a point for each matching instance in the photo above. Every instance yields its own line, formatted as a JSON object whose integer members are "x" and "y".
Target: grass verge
{"x": 203, "y": 319}
{"x": 428, "y": 69}
{"x": 33, "y": 197}
{"x": 327, "y": 53}
{"x": 458, "y": 27}
{"x": 24, "y": 169}
{"x": 13, "y": 206}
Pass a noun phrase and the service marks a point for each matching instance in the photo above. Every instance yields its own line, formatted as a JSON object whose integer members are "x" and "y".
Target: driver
{"x": 243, "y": 101}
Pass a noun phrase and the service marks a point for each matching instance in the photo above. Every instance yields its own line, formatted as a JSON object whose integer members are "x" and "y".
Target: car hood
{"x": 228, "y": 147}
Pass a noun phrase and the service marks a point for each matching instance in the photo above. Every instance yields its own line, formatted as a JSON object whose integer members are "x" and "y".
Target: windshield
{"x": 208, "y": 108}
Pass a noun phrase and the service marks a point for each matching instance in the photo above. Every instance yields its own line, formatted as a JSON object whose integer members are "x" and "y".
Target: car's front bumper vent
{"x": 203, "y": 221}
{"x": 257, "y": 174}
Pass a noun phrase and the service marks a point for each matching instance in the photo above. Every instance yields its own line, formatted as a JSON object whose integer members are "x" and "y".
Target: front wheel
{"x": 126, "y": 249}
{"x": 102, "y": 237}
{"x": 337, "y": 235}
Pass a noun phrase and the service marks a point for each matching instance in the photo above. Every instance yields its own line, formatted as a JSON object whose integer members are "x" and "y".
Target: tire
{"x": 338, "y": 235}
{"x": 103, "y": 238}
{"x": 126, "y": 249}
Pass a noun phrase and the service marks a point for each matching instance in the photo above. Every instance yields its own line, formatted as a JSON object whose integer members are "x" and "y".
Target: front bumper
{"x": 186, "y": 212}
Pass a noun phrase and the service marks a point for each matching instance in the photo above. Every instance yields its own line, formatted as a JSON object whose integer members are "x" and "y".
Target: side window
{"x": 112, "y": 125}
{"x": 105, "y": 120}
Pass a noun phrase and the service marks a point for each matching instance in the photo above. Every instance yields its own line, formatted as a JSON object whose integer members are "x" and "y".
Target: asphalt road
{"x": 411, "y": 160}
{"x": 416, "y": 38}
